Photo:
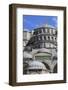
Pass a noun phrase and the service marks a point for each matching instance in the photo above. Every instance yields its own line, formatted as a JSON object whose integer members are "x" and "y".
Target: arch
{"x": 55, "y": 69}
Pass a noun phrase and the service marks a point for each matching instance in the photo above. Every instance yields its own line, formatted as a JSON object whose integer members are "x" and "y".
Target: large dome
{"x": 36, "y": 65}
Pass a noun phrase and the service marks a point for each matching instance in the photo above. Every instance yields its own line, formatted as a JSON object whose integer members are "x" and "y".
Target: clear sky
{"x": 32, "y": 21}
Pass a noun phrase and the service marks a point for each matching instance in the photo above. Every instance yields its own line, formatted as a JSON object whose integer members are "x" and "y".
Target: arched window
{"x": 44, "y": 37}
{"x": 52, "y": 38}
{"x": 48, "y": 38}
{"x": 40, "y": 37}
{"x": 50, "y": 31}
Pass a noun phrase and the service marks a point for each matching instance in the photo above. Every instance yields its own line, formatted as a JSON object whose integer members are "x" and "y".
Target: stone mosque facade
{"x": 42, "y": 46}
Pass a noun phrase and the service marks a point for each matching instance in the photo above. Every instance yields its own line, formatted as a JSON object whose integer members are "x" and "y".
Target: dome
{"x": 36, "y": 65}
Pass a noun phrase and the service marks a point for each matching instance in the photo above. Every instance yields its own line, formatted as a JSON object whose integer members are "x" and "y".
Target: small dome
{"x": 36, "y": 65}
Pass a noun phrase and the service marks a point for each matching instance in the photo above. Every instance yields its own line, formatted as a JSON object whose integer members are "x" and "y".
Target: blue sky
{"x": 32, "y": 21}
